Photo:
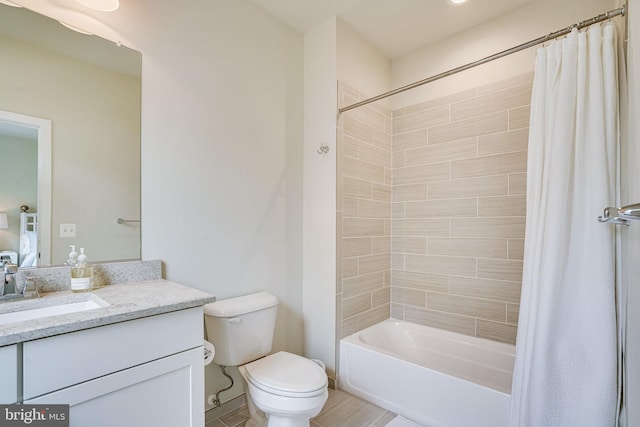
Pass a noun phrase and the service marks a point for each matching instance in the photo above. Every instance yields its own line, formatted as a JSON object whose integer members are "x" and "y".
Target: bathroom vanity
{"x": 136, "y": 361}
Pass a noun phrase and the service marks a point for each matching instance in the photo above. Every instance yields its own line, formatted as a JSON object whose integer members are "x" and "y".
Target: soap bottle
{"x": 73, "y": 256}
{"x": 81, "y": 274}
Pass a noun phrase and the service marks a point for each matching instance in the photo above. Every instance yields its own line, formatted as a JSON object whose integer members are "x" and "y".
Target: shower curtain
{"x": 566, "y": 357}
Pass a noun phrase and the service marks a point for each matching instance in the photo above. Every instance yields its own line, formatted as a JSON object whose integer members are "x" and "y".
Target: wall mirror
{"x": 88, "y": 175}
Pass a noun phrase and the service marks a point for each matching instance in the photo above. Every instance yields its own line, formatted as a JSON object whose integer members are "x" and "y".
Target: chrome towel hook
{"x": 324, "y": 149}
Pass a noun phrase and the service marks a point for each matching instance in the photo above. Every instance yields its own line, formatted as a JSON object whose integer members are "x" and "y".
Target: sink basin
{"x": 21, "y": 311}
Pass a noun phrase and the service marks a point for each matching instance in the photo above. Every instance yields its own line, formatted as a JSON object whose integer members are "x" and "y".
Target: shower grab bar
{"x": 621, "y": 216}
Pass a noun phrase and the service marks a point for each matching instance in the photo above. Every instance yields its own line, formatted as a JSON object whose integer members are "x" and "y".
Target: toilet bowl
{"x": 282, "y": 389}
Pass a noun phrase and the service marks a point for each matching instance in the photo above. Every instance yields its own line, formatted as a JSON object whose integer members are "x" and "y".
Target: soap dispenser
{"x": 73, "y": 256}
{"x": 81, "y": 274}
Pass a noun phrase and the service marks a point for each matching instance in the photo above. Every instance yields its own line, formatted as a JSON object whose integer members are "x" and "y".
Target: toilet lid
{"x": 286, "y": 374}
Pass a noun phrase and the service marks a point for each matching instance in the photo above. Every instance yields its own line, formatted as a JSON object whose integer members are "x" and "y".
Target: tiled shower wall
{"x": 459, "y": 181}
{"x": 431, "y": 211}
{"x": 364, "y": 214}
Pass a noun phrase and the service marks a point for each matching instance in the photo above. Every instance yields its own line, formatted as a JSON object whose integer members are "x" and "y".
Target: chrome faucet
{"x": 10, "y": 288}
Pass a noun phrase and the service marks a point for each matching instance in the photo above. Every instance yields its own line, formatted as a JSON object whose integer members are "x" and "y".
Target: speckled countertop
{"x": 125, "y": 302}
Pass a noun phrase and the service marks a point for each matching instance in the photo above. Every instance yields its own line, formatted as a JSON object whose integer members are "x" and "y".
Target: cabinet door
{"x": 9, "y": 375}
{"x": 168, "y": 392}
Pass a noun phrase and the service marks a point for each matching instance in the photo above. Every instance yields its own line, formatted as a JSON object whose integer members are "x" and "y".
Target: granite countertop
{"x": 126, "y": 302}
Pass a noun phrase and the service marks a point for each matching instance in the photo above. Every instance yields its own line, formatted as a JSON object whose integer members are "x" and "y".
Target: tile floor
{"x": 341, "y": 410}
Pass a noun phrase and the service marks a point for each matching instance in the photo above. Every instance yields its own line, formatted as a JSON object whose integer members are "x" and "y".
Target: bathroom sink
{"x": 21, "y": 311}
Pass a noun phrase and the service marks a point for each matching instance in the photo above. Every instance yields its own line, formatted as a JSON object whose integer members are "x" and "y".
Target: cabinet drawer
{"x": 61, "y": 361}
{"x": 10, "y": 369}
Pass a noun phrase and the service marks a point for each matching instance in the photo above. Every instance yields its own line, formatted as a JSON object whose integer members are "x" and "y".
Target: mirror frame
{"x": 43, "y": 126}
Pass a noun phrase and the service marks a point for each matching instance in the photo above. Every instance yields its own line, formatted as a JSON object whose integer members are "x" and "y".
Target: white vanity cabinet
{"x": 143, "y": 372}
{"x": 10, "y": 374}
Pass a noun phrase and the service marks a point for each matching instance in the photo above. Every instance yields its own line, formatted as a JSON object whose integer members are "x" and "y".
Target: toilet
{"x": 282, "y": 389}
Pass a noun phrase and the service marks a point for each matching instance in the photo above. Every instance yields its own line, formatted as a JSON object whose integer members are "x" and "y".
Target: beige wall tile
{"x": 356, "y": 246}
{"x": 374, "y": 155}
{"x": 502, "y": 206}
{"x": 503, "y": 142}
{"x": 373, "y": 316}
{"x": 409, "y": 245}
{"x": 349, "y": 207}
{"x": 397, "y": 159}
{"x": 489, "y": 165}
{"x": 381, "y": 192}
{"x": 374, "y": 209}
{"x": 447, "y": 321}
{"x": 465, "y": 306}
{"x": 349, "y": 146}
{"x": 469, "y": 187}
{"x": 442, "y": 208}
{"x": 445, "y": 100}
{"x": 381, "y": 245}
{"x": 468, "y": 247}
{"x": 412, "y": 297}
{"x": 363, "y": 170}
{"x": 477, "y": 126}
{"x": 354, "y": 187}
{"x": 455, "y": 150}
{"x": 425, "y": 281}
{"x": 357, "y": 129}
{"x": 506, "y": 83}
{"x": 513, "y": 311}
{"x": 500, "y": 269}
{"x": 420, "y": 227}
{"x": 362, "y": 284}
{"x": 499, "y": 290}
{"x": 518, "y": 183}
{"x": 519, "y": 117}
{"x": 349, "y": 327}
{"x": 409, "y": 140}
{"x": 506, "y": 99}
{"x": 496, "y": 331}
{"x": 381, "y": 139}
{"x": 397, "y": 311}
{"x": 409, "y": 192}
{"x": 397, "y": 261}
{"x": 421, "y": 119}
{"x": 397, "y": 210}
{"x": 398, "y": 112}
{"x": 367, "y": 115}
{"x": 360, "y": 227}
{"x": 349, "y": 268}
{"x": 516, "y": 249}
{"x": 381, "y": 297}
{"x": 423, "y": 173}
{"x": 441, "y": 265}
{"x": 511, "y": 227}
{"x": 372, "y": 263}
{"x": 356, "y": 305}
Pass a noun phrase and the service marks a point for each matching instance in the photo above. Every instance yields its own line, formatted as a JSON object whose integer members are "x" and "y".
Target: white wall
{"x": 360, "y": 65}
{"x": 222, "y": 91}
{"x": 319, "y": 243}
{"x": 536, "y": 19}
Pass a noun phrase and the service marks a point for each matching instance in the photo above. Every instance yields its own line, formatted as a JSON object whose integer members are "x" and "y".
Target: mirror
{"x": 88, "y": 90}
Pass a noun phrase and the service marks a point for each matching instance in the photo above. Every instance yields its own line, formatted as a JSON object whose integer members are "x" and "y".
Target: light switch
{"x": 67, "y": 230}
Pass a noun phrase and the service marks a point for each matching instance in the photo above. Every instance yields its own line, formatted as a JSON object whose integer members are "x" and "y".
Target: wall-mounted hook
{"x": 324, "y": 149}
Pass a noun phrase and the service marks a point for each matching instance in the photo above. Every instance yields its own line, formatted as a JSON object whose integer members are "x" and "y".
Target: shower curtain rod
{"x": 603, "y": 17}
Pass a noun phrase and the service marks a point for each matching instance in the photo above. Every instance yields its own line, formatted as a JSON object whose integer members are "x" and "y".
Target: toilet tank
{"x": 241, "y": 329}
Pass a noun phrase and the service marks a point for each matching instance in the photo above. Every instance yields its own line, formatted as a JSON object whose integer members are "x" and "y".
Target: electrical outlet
{"x": 67, "y": 230}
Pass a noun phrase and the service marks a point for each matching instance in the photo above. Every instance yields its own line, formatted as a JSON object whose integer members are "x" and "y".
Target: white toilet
{"x": 283, "y": 389}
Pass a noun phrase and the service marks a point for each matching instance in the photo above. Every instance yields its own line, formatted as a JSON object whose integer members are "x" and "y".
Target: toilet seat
{"x": 287, "y": 374}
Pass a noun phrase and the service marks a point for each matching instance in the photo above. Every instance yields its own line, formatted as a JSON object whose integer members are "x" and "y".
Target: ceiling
{"x": 394, "y": 27}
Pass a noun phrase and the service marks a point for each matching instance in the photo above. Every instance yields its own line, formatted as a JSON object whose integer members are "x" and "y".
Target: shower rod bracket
{"x": 621, "y": 216}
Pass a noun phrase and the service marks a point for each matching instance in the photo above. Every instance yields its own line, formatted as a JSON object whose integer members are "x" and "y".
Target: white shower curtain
{"x": 565, "y": 370}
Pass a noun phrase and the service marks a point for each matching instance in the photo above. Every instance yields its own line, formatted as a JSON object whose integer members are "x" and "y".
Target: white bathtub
{"x": 431, "y": 376}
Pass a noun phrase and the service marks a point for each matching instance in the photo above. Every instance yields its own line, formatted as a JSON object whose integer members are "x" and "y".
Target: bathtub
{"x": 431, "y": 376}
